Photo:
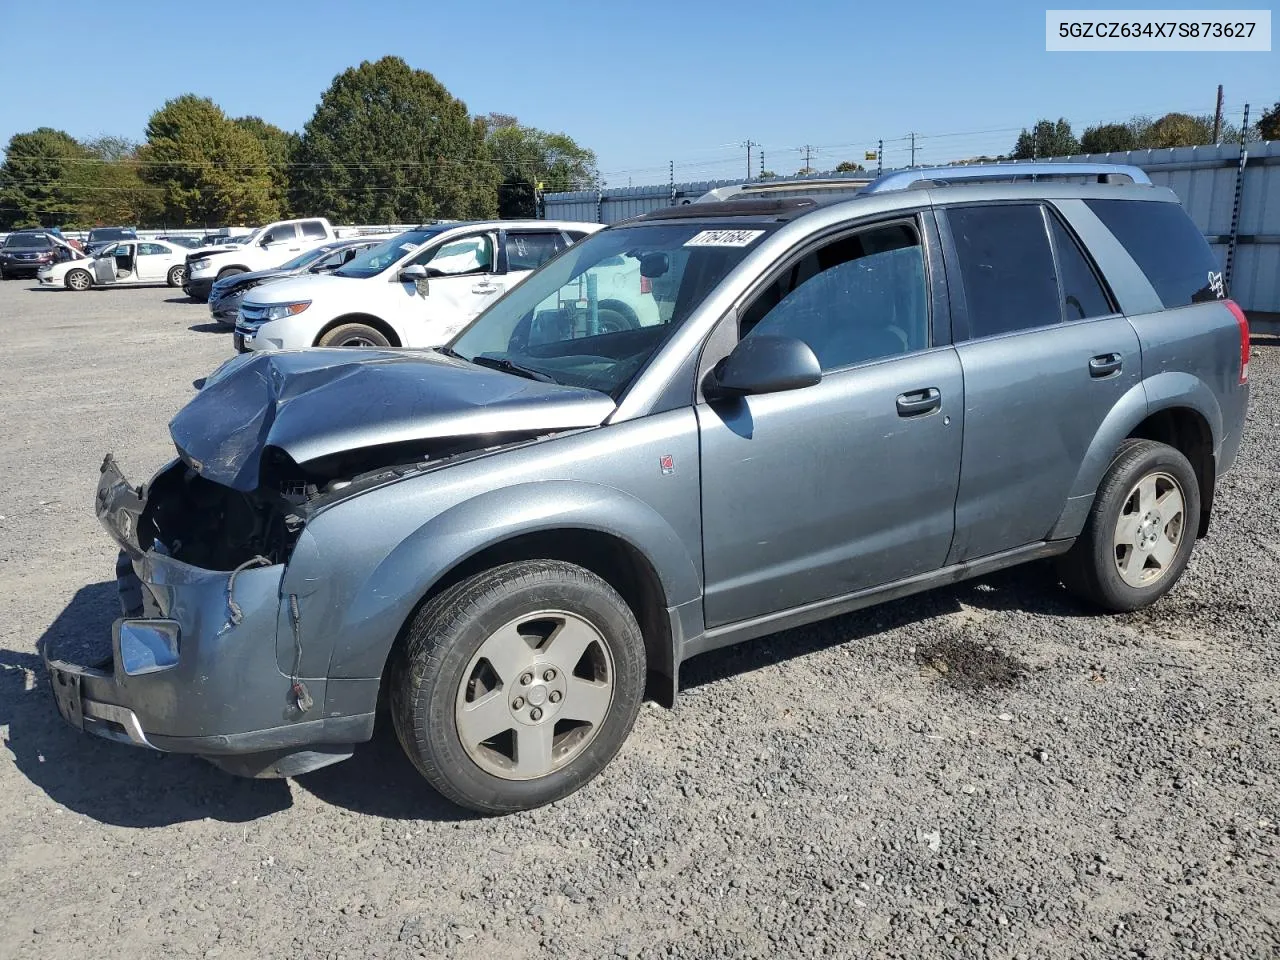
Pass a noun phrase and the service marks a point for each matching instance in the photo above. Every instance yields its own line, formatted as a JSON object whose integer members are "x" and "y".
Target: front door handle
{"x": 484, "y": 288}
{"x": 1105, "y": 365}
{"x": 919, "y": 402}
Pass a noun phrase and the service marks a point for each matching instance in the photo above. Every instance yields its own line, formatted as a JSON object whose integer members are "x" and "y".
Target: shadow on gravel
{"x": 208, "y": 327}
{"x": 181, "y": 300}
{"x": 110, "y": 782}
{"x": 1031, "y": 588}
{"x": 380, "y": 781}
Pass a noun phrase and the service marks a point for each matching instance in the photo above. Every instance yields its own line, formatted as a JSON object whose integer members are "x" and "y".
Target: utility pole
{"x": 879, "y": 157}
{"x": 1217, "y": 117}
{"x": 808, "y": 149}
{"x": 749, "y": 144}
{"x": 671, "y": 181}
{"x": 913, "y": 149}
{"x": 762, "y": 163}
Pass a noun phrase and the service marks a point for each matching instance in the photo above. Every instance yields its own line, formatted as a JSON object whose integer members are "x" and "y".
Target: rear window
{"x": 1167, "y": 246}
{"x": 313, "y": 229}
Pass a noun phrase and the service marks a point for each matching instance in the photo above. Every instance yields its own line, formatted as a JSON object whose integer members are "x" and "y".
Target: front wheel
{"x": 177, "y": 275}
{"x": 354, "y": 335}
{"x": 79, "y": 280}
{"x": 518, "y": 685}
{"x": 1140, "y": 532}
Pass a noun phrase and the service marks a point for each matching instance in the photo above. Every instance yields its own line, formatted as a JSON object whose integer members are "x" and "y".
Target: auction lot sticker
{"x": 723, "y": 238}
{"x": 1233, "y": 31}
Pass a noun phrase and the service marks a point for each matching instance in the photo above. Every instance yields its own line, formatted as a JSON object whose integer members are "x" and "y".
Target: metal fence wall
{"x": 1204, "y": 178}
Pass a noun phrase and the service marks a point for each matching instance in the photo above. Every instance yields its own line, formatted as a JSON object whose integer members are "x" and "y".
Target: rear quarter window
{"x": 1167, "y": 246}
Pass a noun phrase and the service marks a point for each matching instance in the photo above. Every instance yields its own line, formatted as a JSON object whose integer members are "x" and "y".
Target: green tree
{"x": 387, "y": 144}
{"x": 848, "y": 166}
{"x": 1046, "y": 139}
{"x": 281, "y": 147}
{"x": 1269, "y": 123}
{"x": 805, "y": 172}
{"x": 768, "y": 175}
{"x": 527, "y": 156}
{"x": 1175, "y": 130}
{"x": 209, "y": 169}
{"x": 35, "y": 185}
{"x": 108, "y": 187}
{"x": 1108, "y": 138}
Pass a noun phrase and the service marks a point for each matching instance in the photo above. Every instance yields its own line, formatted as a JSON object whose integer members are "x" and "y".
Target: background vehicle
{"x": 416, "y": 289}
{"x": 191, "y": 243}
{"x": 845, "y": 403}
{"x": 227, "y": 293}
{"x": 25, "y": 252}
{"x": 99, "y": 237}
{"x": 124, "y": 263}
{"x": 263, "y": 249}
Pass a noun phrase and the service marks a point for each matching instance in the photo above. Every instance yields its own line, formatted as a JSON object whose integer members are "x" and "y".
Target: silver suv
{"x": 774, "y": 411}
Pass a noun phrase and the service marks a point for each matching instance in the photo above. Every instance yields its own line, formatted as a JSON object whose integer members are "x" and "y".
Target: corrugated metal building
{"x": 1204, "y": 178}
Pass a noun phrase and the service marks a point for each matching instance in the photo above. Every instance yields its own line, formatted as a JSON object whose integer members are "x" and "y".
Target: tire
{"x": 453, "y": 659}
{"x": 616, "y": 316}
{"x": 1140, "y": 532}
{"x": 80, "y": 280}
{"x": 230, "y": 272}
{"x": 353, "y": 335}
{"x": 177, "y": 276}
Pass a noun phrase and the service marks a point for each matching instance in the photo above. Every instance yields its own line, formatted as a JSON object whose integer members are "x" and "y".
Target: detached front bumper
{"x": 192, "y": 667}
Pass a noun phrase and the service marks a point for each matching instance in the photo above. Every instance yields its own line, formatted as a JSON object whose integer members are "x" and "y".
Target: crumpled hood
{"x": 315, "y": 403}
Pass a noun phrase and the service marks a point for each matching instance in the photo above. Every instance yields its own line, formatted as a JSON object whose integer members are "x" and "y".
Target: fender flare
{"x": 363, "y": 625}
{"x": 1163, "y": 391}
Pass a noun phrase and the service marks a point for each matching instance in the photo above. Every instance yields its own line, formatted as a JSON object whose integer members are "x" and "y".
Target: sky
{"x": 641, "y": 84}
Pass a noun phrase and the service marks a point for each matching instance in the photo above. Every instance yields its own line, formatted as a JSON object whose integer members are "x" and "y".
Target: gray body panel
{"x": 753, "y": 514}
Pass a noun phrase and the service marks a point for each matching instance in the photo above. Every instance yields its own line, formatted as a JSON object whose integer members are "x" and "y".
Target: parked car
{"x": 191, "y": 243}
{"x": 845, "y": 403}
{"x": 99, "y": 237}
{"x": 263, "y": 249}
{"x": 416, "y": 289}
{"x": 227, "y": 293}
{"x": 25, "y": 252}
{"x": 126, "y": 262}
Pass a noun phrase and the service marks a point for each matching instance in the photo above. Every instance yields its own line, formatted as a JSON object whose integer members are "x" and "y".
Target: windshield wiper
{"x": 450, "y": 352}
{"x": 506, "y": 366}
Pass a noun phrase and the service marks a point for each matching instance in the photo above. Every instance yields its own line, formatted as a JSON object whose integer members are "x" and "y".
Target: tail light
{"x": 1243, "y": 322}
{"x": 646, "y": 285}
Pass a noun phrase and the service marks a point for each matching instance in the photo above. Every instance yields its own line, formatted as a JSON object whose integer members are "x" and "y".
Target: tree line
{"x": 1049, "y": 138}
{"x": 386, "y": 144}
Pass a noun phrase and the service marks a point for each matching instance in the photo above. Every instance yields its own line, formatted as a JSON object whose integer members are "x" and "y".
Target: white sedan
{"x": 132, "y": 262}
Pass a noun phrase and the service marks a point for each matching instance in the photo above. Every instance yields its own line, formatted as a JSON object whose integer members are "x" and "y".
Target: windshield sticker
{"x": 724, "y": 238}
{"x": 409, "y": 247}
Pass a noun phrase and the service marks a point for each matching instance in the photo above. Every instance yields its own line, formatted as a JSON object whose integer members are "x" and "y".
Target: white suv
{"x": 266, "y": 247}
{"x": 415, "y": 290}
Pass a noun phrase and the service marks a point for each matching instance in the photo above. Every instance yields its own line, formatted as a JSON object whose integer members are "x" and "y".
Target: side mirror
{"x": 765, "y": 364}
{"x": 413, "y": 273}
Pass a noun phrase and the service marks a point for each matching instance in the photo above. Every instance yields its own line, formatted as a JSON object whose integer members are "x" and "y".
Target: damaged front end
{"x": 209, "y": 657}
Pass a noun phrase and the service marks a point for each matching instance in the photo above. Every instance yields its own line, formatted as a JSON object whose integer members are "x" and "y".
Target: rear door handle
{"x": 919, "y": 402}
{"x": 1105, "y": 365}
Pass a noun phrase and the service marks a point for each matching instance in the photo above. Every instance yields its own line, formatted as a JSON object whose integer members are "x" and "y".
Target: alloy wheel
{"x": 1150, "y": 529}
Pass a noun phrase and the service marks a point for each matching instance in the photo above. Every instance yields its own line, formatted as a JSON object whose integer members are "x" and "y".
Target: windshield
{"x": 30, "y": 241}
{"x": 104, "y": 234}
{"x": 306, "y": 258}
{"x": 376, "y": 259}
{"x": 594, "y": 316}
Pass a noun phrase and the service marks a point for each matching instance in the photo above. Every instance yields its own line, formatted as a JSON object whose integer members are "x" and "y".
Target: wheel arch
{"x": 1174, "y": 408}
{"x": 386, "y": 329}
{"x": 222, "y": 271}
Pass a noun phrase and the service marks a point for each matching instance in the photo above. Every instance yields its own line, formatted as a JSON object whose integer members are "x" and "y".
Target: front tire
{"x": 1140, "y": 532}
{"x": 79, "y": 280}
{"x": 518, "y": 685}
{"x": 177, "y": 276}
{"x": 354, "y": 335}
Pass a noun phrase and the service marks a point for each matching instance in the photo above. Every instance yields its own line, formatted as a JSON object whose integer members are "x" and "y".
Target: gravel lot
{"x": 985, "y": 771}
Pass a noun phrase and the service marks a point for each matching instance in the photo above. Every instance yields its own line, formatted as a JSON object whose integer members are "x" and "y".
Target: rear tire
{"x": 78, "y": 280}
{"x": 518, "y": 685}
{"x": 353, "y": 335}
{"x": 177, "y": 275}
{"x": 1140, "y": 532}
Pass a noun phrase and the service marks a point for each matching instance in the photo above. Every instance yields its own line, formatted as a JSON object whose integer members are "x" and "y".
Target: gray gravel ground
{"x": 985, "y": 771}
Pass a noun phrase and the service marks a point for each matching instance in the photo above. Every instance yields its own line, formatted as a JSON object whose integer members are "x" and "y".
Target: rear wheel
{"x": 354, "y": 335}
{"x": 1141, "y": 529}
{"x": 518, "y": 685}
{"x": 177, "y": 275}
{"x": 79, "y": 280}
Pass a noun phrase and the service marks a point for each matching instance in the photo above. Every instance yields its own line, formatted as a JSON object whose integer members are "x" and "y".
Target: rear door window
{"x": 1167, "y": 246}
{"x": 529, "y": 250}
{"x": 313, "y": 230}
{"x": 1006, "y": 266}
{"x": 1083, "y": 295}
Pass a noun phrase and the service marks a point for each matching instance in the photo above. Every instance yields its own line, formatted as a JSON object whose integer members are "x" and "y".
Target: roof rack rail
{"x": 942, "y": 176}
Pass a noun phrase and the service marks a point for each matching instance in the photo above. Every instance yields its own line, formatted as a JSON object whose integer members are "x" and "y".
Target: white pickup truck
{"x": 267, "y": 247}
